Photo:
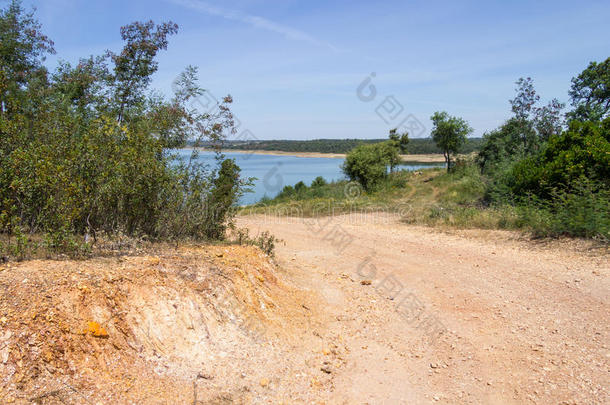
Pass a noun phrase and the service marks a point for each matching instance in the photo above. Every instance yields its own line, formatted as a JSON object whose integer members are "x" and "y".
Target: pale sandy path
{"x": 525, "y": 323}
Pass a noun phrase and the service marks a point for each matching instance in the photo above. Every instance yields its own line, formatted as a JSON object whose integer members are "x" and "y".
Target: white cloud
{"x": 254, "y": 21}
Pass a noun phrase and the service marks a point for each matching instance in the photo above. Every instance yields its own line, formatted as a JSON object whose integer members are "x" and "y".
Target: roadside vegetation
{"x": 543, "y": 170}
{"x": 86, "y": 151}
{"x": 459, "y": 199}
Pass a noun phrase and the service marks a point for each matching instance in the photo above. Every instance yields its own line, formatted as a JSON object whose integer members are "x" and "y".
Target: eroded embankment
{"x": 196, "y": 324}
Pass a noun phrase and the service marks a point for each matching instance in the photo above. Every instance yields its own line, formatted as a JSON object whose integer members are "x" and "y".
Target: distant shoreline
{"x": 428, "y": 158}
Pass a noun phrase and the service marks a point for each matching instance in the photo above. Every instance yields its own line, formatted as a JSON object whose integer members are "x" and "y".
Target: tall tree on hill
{"x": 449, "y": 133}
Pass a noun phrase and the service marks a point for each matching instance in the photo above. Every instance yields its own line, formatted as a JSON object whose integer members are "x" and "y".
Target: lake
{"x": 274, "y": 172}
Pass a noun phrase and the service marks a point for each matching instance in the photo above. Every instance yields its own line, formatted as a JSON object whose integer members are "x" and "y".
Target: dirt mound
{"x": 166, "y": 328}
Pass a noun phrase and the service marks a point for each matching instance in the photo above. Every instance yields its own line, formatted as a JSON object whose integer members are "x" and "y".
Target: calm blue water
{"x": 274, "y": 172}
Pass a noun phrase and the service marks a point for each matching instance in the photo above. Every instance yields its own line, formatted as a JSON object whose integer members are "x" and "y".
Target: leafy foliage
{"x": 265, "y": 241}
{"x": 399, "y": 141}
{"x": 367, "y": 164}
{"x": 590, "y": 92}
{"x": 449, "y": 134}
{"x": 523, "y": 103}
{"x": 318, "y": 182}
{"x": 88, "y": 149}
{"x": 583, "y": 151}
{"x": 22, "y": 51}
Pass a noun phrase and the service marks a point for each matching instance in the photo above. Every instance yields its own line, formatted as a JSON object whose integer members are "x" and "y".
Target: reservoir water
{"x": 274, "y": 172}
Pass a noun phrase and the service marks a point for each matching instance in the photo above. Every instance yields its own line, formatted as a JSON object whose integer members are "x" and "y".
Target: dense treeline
{"x": 86, "y": 150}
{"x": 417, "y": 146}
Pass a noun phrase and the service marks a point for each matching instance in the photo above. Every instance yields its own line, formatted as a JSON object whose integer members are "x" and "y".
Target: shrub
{"x": 583, "y": 151}
{"x": 582, "y": 211}
{"x": 264, "y": 241}
{"x": 367, "y": 164}
{"x": 318, "y": 182}
{"x": 300, "y": 187}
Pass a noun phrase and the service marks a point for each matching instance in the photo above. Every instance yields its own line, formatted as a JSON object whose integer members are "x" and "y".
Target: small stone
{"x": 4, "y": 353}
{"x": 48, "y": 356}
{"x": 366, "y": 282}
{"x": 96, "y": 330}
{"x": 326, "y": 369}
{"x": 433, "y": 365}
{"x": 264, "y": 382}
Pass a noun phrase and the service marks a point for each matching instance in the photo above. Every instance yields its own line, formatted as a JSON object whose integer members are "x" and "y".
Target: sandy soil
{"x": 428, "y": 158}
{"x": 353, "y": 310}
{"x": 515, "y": 321}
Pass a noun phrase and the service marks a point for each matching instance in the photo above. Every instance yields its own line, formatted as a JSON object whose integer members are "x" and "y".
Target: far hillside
{"x": 418, "y": 146}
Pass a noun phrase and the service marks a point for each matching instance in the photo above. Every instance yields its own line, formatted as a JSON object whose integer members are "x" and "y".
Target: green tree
{"x": 300, "y": 187}
{"x": 136, "y": 63}
{"x": 524, "y": 133}
{"x": 449, "y": 133}
{"x": 501, "y": 145}
{"x": 367, "y": 164}
{"x": 525, "y": 99}
{"x": 523, "y": 105}
{"x": 224, "y": 194}
{"x": 399, "y": 143}
{"x": 22, "y": 51}
{"x": 548, "y": 120}
{"x": 590, "y": 93}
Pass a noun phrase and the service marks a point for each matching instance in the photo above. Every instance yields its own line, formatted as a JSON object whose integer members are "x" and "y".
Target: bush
{"x": 583, "y": 151}
{"x": 318, "y": 182}
{"x": 300, "y": 187}
{"x": 265, "y": 241}
{"x": 501, "y": 145}
{"x": 583, "y": 211}
{"x": 367, "y": 164}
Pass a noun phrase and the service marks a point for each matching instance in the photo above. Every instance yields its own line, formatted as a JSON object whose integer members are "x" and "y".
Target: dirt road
{"x": 466, "y": 317}
{"x": 355, "y": 310}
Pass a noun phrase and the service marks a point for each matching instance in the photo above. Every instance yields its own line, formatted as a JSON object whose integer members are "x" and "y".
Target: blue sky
{"x": 293, "y": 67}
